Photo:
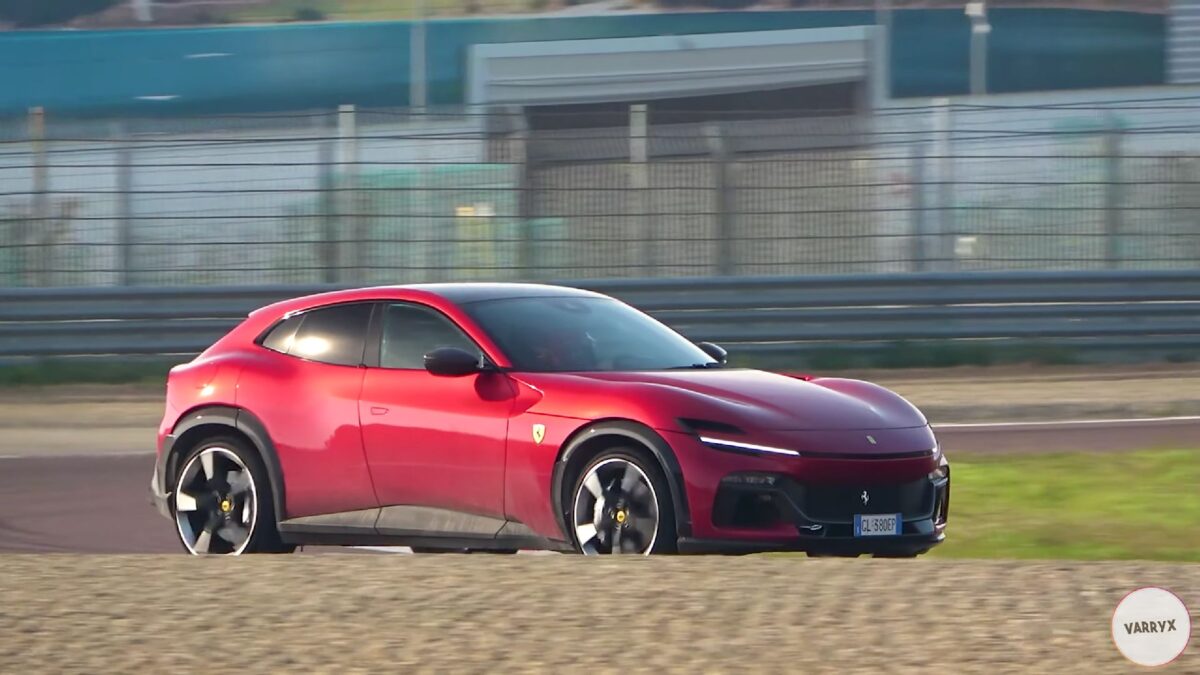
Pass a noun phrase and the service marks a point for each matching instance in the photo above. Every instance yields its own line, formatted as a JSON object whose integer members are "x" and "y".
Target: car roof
{"x": 452, "y": 293}
{"x": 460, "y": 293}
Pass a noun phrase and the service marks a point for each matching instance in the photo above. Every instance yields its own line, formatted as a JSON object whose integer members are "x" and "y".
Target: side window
{"x": 409, "y": 332}
{"x": 334, "y": 335}
{"x": 281, "y": 336}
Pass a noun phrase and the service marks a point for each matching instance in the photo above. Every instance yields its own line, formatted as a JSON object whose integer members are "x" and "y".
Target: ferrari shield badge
{"x": 539, "y": 432}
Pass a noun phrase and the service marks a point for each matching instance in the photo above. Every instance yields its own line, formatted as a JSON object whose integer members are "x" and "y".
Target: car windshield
{"x": 560, "y": 334}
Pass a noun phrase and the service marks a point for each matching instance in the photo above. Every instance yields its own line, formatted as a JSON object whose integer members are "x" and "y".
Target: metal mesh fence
{"x": 392, "y": 196}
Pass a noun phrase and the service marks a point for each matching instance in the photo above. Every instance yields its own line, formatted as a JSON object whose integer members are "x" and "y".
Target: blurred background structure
{"x": 602, "y": 141}
{"x": 616, "y": 144}
{"x": 379, "y": 195}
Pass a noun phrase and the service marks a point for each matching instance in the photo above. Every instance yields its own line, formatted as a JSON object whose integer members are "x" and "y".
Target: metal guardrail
{"x": 1128, "y": 310}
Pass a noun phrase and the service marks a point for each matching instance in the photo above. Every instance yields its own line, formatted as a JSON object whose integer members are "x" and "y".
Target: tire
{"x": 222, "y": 501}
{"x": 621, "y": 497}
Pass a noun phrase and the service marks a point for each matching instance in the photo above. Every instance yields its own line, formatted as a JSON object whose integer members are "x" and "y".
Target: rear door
{"x": 433, "y": 442}
{"x": 305, "y": 389}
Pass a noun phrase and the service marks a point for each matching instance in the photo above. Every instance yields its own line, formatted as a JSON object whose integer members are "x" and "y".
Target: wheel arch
{"x": 606, "y": 433}
{"x": 207, "y": 421}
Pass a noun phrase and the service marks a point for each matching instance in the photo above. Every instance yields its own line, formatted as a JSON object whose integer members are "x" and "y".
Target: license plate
{"x": 877, "y": 525}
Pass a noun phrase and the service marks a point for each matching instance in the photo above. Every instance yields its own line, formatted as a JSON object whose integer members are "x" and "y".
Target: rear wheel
{"x": 621, "y": 504}
{"x": 222, "y": 501}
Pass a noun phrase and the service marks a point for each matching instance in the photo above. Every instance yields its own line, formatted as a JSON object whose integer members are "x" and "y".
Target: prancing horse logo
{"x": 539, "y": 433}
{"x": 865, "y": 497}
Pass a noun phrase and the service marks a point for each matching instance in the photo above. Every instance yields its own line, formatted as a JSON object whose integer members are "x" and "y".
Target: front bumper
{"x": 903, "y": 545}
{"x": 817, "y": 519}
{"x": 744, "y": 503}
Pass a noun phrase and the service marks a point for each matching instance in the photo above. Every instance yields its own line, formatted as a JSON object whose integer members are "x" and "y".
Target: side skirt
{"x": 418, "y": 526}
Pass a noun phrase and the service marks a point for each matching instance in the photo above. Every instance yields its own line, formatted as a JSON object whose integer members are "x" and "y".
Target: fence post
{"x": 715, "y": 134}
{"x": 327, "y": 202}
{"x": 40, "y": 213}
{"x": 639, "y": 183}
{"x": 520, "y": 157}
{"x": 917, "y": 205}
{"x": 124, "y": 157}
{"x": 1113, "y": 198}
{"x": 881, "y": 55}
{"x": 943, "y": 148}
{"x": 349, "y": 257}
{"x": 418, "y": 70}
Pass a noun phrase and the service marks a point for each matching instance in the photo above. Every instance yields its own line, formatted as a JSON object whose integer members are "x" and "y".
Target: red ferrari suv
{"x": 504, "y": 416}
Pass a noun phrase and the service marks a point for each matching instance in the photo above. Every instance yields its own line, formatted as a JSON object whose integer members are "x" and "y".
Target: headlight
{"x": 739, "y": 446}
{"x": 942, "y": 471}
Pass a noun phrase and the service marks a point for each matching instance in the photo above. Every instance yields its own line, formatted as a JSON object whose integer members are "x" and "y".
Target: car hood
{"x": 756, "y": 398}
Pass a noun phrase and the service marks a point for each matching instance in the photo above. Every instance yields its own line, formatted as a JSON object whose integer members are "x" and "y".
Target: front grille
{"x": 839, "y": 503}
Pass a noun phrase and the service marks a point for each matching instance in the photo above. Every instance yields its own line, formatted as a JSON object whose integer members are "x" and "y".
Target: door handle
{"x": 377, "y": 410}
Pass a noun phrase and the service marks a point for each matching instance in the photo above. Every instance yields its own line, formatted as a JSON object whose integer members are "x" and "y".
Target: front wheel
{"x": 621, "y": 505}
{"x": 222, "y": 501}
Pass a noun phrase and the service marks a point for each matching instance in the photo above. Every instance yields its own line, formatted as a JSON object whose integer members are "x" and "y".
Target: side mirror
{"x": 451, "y": 362}
{"x": 715, "y": 351}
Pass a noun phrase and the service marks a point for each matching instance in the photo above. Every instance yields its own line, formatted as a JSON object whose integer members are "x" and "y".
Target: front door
{"x": 433, "y": 441}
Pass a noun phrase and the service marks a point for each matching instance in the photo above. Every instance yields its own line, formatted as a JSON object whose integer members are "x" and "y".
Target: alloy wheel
{"x": 216, "y": 503}
{"x": 615, "y": 509}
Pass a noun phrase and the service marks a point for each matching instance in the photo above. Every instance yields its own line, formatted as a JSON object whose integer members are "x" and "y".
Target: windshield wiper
{"x": 697, "y": 366}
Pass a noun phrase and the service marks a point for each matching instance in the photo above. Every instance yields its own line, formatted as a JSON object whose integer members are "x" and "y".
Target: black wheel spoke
{"x": 238, "y": 482}
{"x": 644, "y": 527}
{"x": 641, "y": 510}
{"x": 233, "y": 533}
{"x": 639, "y": 492}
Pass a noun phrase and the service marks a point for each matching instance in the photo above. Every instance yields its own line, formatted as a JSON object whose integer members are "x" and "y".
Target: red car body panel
{"x": 310, "y": 410}
{"x": 350, "y": 438}
{"x": 437, "y": 441}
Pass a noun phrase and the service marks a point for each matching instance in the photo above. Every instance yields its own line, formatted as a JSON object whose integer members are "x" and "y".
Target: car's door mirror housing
{"x": 714, "y": 350}
{"x": 451, "y": 362}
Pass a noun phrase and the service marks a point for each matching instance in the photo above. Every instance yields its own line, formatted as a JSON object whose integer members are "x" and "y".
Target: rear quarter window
{"x": 280, "y": 337}
{"x": 335, "y": 335}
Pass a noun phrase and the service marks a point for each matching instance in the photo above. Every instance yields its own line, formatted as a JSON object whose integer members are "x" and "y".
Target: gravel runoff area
{"x": 488, "y": 613}
{"x": 90, "y": 419}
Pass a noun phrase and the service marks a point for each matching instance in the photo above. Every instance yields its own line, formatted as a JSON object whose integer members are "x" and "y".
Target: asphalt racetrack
{"x": 100, "y": 503}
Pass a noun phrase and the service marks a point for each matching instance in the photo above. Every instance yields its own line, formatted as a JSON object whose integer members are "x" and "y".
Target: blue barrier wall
{"x": 281, "y": 67}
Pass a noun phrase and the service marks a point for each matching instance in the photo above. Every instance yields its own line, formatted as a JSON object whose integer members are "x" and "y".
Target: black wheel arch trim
{"x": 243, "y": 421}
{"x": 644, "y": 436}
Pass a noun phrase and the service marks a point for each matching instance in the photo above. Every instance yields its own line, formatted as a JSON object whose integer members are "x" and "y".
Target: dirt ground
{"x": 372, "y": 613}
{"x": 88, "y": 419}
